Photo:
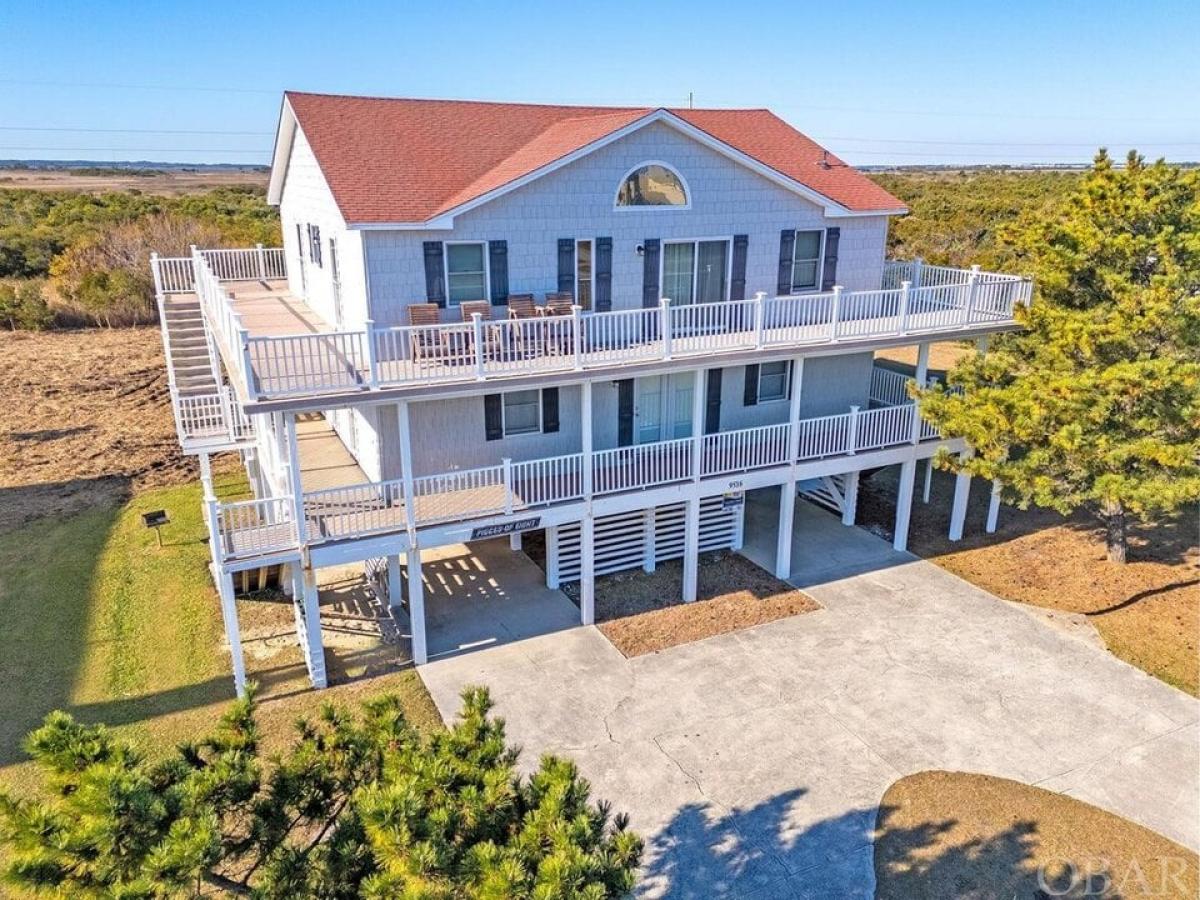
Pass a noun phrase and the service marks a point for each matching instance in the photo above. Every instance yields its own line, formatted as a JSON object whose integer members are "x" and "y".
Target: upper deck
{"x": 276, "y": 348}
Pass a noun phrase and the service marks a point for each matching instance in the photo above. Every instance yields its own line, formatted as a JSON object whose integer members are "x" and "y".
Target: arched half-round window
{"x": 653, "y": 184}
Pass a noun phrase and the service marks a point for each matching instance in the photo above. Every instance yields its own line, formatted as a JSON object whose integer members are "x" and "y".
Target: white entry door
{"x": 664, "y": 407}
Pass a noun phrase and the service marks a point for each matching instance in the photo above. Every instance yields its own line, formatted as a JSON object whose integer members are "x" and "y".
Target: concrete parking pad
{"x": 754, "y": 762}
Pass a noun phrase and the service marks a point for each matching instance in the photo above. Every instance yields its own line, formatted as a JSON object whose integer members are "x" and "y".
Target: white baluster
{"x": 759, "y": 308}
{"x": 664, "y": 324}
{"x": 905, "y": 286}
{"x": 477, "y": 337}
{"x": 577, "y": 334}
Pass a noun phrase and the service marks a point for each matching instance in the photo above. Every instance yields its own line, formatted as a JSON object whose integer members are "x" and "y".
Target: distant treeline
{"x": 70, "y": 258}
{"x": 959, "y": 218}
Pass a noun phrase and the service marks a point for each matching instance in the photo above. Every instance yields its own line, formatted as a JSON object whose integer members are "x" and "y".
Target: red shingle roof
{"x": 393, "y": 160}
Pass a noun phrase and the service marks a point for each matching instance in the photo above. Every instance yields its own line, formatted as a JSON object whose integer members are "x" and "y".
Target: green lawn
{"x": 98, "y": 620}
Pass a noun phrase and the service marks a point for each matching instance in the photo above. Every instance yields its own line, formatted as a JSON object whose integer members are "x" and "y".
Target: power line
{"x": 1092, "y": 144}
{"x": 137, "y": 87}
{"x": 86, "y": 130}
{"x": 135, "y": 150}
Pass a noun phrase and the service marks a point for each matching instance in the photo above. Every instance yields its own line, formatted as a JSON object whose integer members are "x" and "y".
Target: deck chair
{"x": 426, "y": 341}
{"x": 559, "y": 303}
{"x": 521, "y": 306}
{"x": 528, "y": 335}
{"x": 492, "y": 336}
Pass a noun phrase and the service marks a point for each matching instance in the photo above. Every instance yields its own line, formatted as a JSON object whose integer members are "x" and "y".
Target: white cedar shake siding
{"x": 449, "y": 433}
{"x": 307, "y": 200}
{"x": 577, "y": 201}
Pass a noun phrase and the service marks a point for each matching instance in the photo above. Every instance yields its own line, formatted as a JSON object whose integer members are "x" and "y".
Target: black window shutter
{"x": 549, "y": 410}
{"x": 493, "y": 417}
{"x": 603, "y": 274}
{"x": 833, "y": 237}
{"x": 737, "y": 281}
{"x": 498, "y": 271}
{"x": 787, "y": 251}
{"x": 750, "y": 394}
{"x": 625, "y": 412}
{"x": 650, "y": 252}
{"x": 435, "y": 275}
{"x": 566, "y": 265}
{"x": 712, "y": 406}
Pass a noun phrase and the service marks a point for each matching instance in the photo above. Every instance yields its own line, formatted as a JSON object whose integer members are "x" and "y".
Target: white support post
{"x": 836, "y": 314}
{"x": 315, "y": 652}
{"x": 395, "y": 583}
{"x": 295, "y": 483}
{"x": 918, "y": 265}
{"x": 406, "y": 470}
{"x": 852, "y": 431}
{"x": 962, "y": 494}
{"x": 928, "y": 480}
{"x": 922, "y": 374}
{"x": 206, "y": 475}
{"x": 514, "y": 542}
{"x": 506, "y": 465}
{"x": 243, "y": 340}
{"x": 850, "y": 498}
{"x": 477, "y": 339}
{"x": 972, "y": 292}
{"x": 783, "y": 543}
{"x": 993, "y": 514}
{"x": 262, "y": 261}
{"x": 416, "y": 606}
{"x": 585, "y": 440}
{"x": 577, "y": 335}
{"x": 904, "y": 498}
{"x": 691, "y": 549}
{"x": 372, "y": 363}
{"x": 649, "y": 548}
{"x": 905, "y": 287}
{"x": 553, "y": 579}
{"x": 794, "y": 397}
{"x": 233, "y": 632}
{"x": 587, "y": 570}
{"x": 697, "y": 424}
{"x": 664, "y": 325}
{"x": 759, "y": 311}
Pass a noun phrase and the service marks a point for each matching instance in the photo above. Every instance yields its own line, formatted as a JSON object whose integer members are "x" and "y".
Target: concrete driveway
{"x": 754, "y": 762}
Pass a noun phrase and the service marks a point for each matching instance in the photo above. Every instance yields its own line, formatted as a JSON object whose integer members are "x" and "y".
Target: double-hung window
{"x": 806, "y": 261}
{"x": 773, "y": 381}
{"x": 466, "y": 272}
{"x": 522, "y": 412}
{"x": 314, "y": 244}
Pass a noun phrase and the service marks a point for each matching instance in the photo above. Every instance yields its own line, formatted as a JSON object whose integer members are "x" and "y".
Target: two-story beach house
{"x": 602, "y": 324}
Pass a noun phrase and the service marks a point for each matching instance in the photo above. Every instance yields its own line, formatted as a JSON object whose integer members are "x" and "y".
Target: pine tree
{"x": 1095, "y": 404}
{"x": 358, "y": 807}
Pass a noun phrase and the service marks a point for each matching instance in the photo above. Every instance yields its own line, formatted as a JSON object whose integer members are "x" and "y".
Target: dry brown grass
{"x": 642, "y": 612}
{"x": 953, "y": 835}
{"x": 1147, "y": 611}
{"x": 86, "y": 419}
{"x": 169, "y": 184}
{"x": 943, "y": 355}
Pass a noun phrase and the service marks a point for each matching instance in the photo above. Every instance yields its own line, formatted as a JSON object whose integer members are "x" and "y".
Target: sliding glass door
{"x": 695, "y": 271}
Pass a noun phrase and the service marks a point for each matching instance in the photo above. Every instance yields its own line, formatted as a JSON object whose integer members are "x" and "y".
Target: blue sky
{"x": 876, "y": 82}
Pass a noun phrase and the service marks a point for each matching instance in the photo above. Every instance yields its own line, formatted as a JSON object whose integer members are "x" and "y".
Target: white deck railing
{"x": 915, "y": 299}
{"x": 362, "y": 510}
{"x": 217, "y": 418}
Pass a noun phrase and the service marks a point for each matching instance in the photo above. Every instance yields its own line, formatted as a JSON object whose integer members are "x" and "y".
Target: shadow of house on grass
{"x": 863, "y": 854}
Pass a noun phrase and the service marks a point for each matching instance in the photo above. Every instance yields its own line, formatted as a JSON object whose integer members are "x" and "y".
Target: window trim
{"x": 657, "y": 207}
{"x": 696, "y": 242}
{"x": 816, "y": 288}
{"x": 787, "y": 382}
{"x": 592, "y": 279}
{"x": 541, "y": 418}
{"x": 487, "y": 270}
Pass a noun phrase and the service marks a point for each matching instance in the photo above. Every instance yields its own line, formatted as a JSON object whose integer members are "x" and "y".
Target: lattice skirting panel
{"x": 625, "y": 541}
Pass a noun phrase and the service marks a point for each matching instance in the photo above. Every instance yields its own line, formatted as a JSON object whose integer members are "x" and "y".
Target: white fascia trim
{"x": 285, "y": 134}
{"x": 446, "y": 219}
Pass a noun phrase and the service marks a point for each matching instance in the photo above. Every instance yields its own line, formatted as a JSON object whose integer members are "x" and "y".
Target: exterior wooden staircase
{"x": 189, "y": 362}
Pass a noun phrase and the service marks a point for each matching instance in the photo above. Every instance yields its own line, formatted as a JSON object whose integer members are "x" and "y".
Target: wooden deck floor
{"x": 325, "y": 461}
{"x": 269, "y": 309}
